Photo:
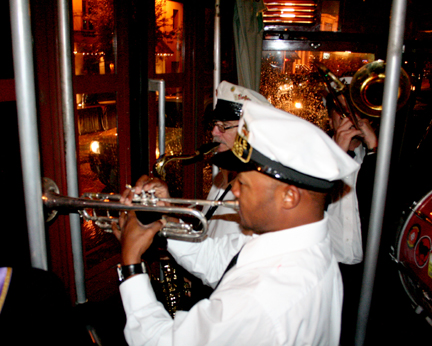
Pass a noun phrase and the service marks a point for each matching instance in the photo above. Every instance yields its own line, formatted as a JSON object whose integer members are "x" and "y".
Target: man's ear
{"x": 291, "y": 197}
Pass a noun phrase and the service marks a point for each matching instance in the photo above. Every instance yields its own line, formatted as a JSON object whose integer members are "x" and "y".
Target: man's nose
{"x": 235, "y": 188}
{"x": 215, "y": 130}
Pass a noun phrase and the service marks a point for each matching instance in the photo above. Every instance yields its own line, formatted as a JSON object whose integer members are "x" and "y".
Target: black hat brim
{"x": 258, "y": 162}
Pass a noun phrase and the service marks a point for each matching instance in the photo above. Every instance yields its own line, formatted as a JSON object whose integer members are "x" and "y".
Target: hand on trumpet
{"x": 146, "y": 183}
{"x": 135, "y": 238}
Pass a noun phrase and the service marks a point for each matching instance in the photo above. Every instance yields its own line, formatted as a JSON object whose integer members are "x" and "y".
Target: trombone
{"x": 365, "y": 91}
{"x": 90, "y": 205}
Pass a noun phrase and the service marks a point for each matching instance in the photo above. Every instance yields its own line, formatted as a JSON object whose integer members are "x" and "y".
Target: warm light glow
{"x": 298, "y": 105}
{"x": 94, "y": 147}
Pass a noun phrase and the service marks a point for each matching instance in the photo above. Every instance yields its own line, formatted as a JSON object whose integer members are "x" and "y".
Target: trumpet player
{"x": 283, "y": 287}
{"x": 224, "y": 121}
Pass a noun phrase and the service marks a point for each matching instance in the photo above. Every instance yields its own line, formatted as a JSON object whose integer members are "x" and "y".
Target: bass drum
{"x": 414, "y": 255}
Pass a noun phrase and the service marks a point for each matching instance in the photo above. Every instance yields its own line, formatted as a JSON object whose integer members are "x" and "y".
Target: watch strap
{"x": 127, "y": 271}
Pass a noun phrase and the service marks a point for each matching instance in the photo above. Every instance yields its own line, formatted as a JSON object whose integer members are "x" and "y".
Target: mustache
{"x": 219, "y": 140}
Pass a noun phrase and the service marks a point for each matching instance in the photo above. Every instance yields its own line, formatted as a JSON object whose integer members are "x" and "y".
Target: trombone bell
{"x": 367, "y": 88}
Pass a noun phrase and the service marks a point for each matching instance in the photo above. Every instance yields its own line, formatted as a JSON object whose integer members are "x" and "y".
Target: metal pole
{"x": 70, "y": 144}
{"x": 216, "y": 62}
{"x": 216, "y": 52}
{"x": 159, "y": 86}
{"x": 391, "y": 84}
{"x": 27, "y": 127}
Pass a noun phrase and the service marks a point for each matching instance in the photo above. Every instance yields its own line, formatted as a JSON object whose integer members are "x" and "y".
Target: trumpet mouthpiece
{"x": 229, "y": 204}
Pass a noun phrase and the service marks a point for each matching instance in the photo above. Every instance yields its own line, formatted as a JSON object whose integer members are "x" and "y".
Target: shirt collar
{"x": 279, "y": 242}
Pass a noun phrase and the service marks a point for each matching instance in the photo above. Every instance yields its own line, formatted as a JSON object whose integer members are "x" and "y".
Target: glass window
{"x": 173, "y": 140}
{"x": 98, "y": 163}
{"x": 302, "y": 15}
{"x": 291, "y": 82}
{"x": 169, "y": 36}
{"x": 93, "y": 37}
{"x": 330, "y": 16}
{"x": 98, "y": 154}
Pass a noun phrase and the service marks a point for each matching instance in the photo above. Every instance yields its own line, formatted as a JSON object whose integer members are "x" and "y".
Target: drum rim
{"x": 403, "y": 277}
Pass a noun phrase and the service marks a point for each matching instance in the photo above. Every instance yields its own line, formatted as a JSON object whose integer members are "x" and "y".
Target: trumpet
{"x": 90, "y": 205}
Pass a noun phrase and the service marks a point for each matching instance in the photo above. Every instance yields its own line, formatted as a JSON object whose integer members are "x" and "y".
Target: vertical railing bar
{"x": 70, "y": 142}
{"x": 391, "y": 84}
{"x": 216, "y": 52}
{"x": 159, "y": 86}
{"x": 216, "y": 62}
{"x": 28, "y": 131}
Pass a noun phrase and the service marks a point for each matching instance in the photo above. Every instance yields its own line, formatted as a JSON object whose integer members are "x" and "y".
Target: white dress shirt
{"x": 285, "y": 289}
{"x": 344, "y": 220}
{"x": 224, "y": 220}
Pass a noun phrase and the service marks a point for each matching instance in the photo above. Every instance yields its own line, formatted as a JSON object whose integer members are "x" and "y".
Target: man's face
{"x": 256, "y": 195}
{"x": 226, "y": 139}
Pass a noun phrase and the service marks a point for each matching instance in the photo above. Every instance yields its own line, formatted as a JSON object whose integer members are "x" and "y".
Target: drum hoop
{"x": 408, "y": 219}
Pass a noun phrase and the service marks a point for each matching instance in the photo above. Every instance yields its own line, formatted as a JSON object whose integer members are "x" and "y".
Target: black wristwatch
{"x": 125, "y": 272}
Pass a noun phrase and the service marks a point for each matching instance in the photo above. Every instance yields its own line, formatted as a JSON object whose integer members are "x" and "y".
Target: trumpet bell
{"x": 367, "y": 88}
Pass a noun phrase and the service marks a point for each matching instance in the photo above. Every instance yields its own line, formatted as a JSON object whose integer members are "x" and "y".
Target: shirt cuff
{"x": 137, "y": 292}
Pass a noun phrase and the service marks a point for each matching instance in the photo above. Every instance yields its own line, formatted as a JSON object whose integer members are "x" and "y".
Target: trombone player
{"x": 284, "y": 286}
{"x": 349, "y": 211}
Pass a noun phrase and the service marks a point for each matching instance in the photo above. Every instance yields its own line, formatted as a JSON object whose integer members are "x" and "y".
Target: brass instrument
{"x": 90, "y": 204}
{"x": 365, "y": 91}
{"x": 205, "y": 149}
{"x": 338, "y": 92}
{"x": 367, "y": 88}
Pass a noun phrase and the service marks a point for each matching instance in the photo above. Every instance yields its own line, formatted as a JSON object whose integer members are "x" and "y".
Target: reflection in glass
{"x": 291, "y": 83}
{"x": 169, "y": 36}
{"x": 173, "y": 140}
{"x": 330, "y": 15}
{"x": 93, "y": 25}
{"x": 98, "y": 158}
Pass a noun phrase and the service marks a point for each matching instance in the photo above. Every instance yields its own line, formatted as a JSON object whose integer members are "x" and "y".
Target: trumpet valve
{"x": 146, "y": 198}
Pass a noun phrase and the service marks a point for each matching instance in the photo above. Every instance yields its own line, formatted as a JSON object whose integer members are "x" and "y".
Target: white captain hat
{"x": 287, "y": 148}
{"x": 230, "y": 98}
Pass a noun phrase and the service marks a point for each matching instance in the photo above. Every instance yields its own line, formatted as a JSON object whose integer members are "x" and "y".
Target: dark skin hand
{"x": 146, "y": 183}
{"x": 135, "y": 238}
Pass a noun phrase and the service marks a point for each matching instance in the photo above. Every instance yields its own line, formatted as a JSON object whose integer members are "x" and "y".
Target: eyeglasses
{"x": 223, "y": 128}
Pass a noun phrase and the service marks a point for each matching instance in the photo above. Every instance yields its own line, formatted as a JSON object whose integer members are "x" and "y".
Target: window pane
{"x": 290, "y": 81}
{"x": 98, "y": 162}
{"x": 173, "y": 140}
{"x": 169, "y": 36}
{"x": 93, "y": 25}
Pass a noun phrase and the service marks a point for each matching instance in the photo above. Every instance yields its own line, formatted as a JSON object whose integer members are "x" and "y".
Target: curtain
{"x": 248, "y": 36}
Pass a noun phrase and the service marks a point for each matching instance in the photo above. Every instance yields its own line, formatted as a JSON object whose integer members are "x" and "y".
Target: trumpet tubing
{"x": 90, "y": 205}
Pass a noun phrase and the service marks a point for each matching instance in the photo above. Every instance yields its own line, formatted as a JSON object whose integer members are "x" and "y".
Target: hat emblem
{"x": 240, "y": 97}
{"x": 242, "y": 149}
